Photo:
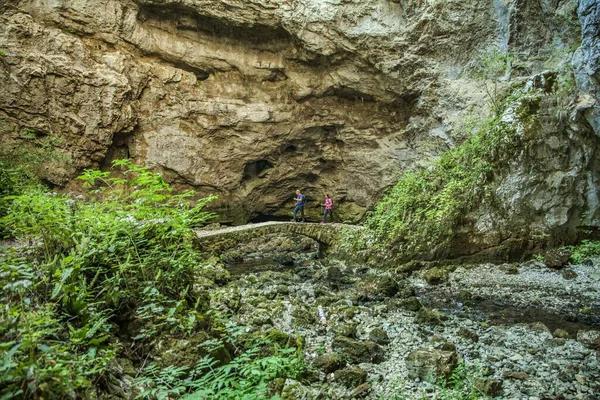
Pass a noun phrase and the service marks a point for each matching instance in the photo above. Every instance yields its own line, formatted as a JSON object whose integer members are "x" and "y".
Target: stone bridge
{"x": 217, "y": 241}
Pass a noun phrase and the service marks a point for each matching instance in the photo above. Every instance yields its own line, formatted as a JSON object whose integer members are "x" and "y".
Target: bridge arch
{"x": 220, "y": 240}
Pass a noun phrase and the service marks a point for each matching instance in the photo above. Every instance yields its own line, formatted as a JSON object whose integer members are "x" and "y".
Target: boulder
{"x": 489, "y": 387}
{"x": 379, "y": 336}
{"x": 357, "y": 352}
{"x": 510, "y": 269}
{"x": 557, "y": 259}
{"x": 282, "y": 339}
{"x": 590, "y": 339}
{"x": 429, "y": 316}
{"x": 350, "y": 377}
{"x": 410, "y": 304}
{"x": 436, "y": 275}
{"x": 348, "y": 330}
{"x": 427, "y": 363}
{"x": 410, "y": 267}
{"x": 568, "y": 274}
{"x": 468, "y": 334}
{"x": 328, "y": 363}
{"x": 441, "y": 343}
{"x": 518, "y": 375}
{"x": 560, "y": 333}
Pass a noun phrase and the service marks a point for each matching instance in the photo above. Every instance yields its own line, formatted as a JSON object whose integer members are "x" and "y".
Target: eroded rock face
{"x": 252, "y": 99}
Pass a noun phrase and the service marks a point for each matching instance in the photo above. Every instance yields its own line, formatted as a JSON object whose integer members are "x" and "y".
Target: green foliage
{"x": 461, "y": 385}
{"x": 568, "y": 28}
{"x": 89, "y": 266}
{"x": 32, "y": 154}
{"x": 248, "y": 376}
{"x": 424, "y": 207}
{"x": 2, "y": 53}
{"x": 492, "y": 63}
{"x": 565, "y": 93}
{"x": 585, "y": 250}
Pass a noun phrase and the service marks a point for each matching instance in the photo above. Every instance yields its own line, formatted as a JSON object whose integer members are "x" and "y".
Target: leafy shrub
{"x": 248, "y": 376}
{"x": 585, "y": 250}
{"x": 124, "y": 255}
{"x": 423, "y": 208}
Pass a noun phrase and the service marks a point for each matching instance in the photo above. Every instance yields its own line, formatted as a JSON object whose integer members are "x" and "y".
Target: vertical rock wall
{"x": 252, "y": 99}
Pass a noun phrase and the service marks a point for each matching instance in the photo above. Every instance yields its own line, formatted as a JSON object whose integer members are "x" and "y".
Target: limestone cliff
{"x": 251, "y": 99}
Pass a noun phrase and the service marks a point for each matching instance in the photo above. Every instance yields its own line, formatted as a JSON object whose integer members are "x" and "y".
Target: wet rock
{"x": 347, "y": 330}
{"x": 230, "y": 297}
{"x": 588, "y": 262}
{"x": 350, "y": 377}
{"x": 260, "y": 317}
{"x": 568, "y": 274}
{"x": 518, "y": 375}
{"x": 284, "y": 259}
{"x": 410, "y": 267}
{"x": 410, "y": 304}
{"x": 377, "y": 288}
{"x": 303, "y": 316}
{"x": 468, "y": 334}
{"x": 429, "y": 316}
{"x": 375, "y": 352}
{"x": 283, "y": 290}
{"x": 360, "y": 391}
{"x": 441, "y": 343}
{"x": 489, "y": 387}
{"x": 282, "y": 339}
{"x": 387, "y": 286}
{"x": 424, "y": 363}
{"x": 590, "y": 339}
{"x": 379, "y": 336}
{"x": 334, "y": 275}
{"x": 328, "y": 363}
{"x": 293, "y": 390}
{"x": 539, "y": 327}
{"x": 560, "y": 333}
{"x": 510, "y": 269}
{"x": 186, "y": 352}
{"x": 557, "y": 259}
{"x": 436, "y": 275}
{"x": 465, "y": 295}
{"x": 357, "y": 352}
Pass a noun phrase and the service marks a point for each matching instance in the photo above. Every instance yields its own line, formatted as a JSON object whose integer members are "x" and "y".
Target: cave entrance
{"x": 256, "y": 169}
{"x": 119, "y": 149}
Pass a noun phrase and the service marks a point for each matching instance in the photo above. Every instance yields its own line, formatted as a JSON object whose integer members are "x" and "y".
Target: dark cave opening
{"x": 256, "y": 169}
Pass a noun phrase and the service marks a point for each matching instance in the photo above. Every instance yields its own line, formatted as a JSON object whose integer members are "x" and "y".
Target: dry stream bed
{"x": 522, "y": 331}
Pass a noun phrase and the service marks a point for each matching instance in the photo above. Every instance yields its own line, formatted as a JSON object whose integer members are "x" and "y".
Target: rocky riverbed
{"x": 512, "y": 331}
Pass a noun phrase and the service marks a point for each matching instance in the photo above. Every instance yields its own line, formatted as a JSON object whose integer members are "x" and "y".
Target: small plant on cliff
{"x": 492, "y": 63}
{"x": 33, "y": 153}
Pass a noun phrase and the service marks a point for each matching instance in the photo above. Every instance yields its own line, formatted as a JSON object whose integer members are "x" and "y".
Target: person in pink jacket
{"x": 328, "y": 208}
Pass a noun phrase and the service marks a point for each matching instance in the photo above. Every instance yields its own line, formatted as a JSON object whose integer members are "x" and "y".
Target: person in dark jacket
{"x": 300, "y": 198}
